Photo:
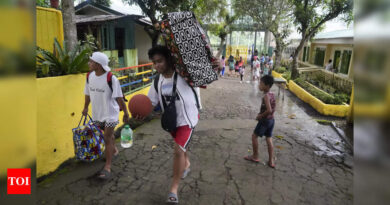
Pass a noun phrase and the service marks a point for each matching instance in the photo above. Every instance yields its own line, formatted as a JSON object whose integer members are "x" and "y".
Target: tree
{"x": 310, "y": 15}
{"x": 213, "y": 15}
{"x": 272, "y": 15}
{"x": 156, "y": 9}
{"x": 70, "y": 31}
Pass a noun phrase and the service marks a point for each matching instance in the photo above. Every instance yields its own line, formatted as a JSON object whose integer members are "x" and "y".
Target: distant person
{"x": 267, "y": 58}
{"x": 265, "y": 123}
{"x": 291, "y": 58}
{"x": 223, "y": 66}
{"x": 256, "y": 69}
{"x": 242, "y": 71}
{"x": 253, "y": 58}
{"x": 266, "y": 70}
{"x": 262, "y": 61}
{"x": 231, "y": 65}
{"x": 241, "y": 62}
{"x": 237, "y": 67}
{"x": 329, "y": 66}
{"x": 270, "y": 63}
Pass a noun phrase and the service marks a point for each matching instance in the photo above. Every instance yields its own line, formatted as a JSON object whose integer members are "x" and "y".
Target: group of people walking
{"x": 260, "y": 66}
{"x": 171, "y": 87}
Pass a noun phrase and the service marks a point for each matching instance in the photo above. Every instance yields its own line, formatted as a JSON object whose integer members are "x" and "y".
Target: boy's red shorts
{"x": 182, "y": 136}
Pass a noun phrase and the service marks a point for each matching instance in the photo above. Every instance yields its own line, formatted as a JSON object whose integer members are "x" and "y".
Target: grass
{"x": 324, "y": 122}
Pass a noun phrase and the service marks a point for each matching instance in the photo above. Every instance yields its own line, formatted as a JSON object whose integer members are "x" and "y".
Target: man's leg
{"x": 178, "y": 168}
{"x": 270, "y": 150}
{"x": 110, "y": 146}
{"x": 255, "y": 146}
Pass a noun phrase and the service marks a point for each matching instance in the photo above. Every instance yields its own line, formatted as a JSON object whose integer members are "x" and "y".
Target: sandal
{"x": 271, "y": 165}
{"x": 104, "y": 174}
{"x": 185, "y": 173}
{"x": 172, "y": 198}
{"x": 251, "y": 159}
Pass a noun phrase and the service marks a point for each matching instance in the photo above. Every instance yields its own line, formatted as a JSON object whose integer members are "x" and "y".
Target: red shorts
{"x": 182, "y": 136}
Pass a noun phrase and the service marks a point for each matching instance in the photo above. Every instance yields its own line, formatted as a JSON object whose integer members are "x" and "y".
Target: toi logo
{"x": 19, "y": 181}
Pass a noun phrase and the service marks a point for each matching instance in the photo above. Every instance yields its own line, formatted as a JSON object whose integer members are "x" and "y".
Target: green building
{"x": 121, "y": 36}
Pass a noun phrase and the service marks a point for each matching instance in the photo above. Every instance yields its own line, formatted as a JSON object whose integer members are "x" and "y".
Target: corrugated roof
{"x": 90, "y": 3}
{"x": 347, "y": 33}
{"x": 98, "y": 18}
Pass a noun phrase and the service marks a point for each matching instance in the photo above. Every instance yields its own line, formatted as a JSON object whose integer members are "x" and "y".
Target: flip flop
{"x": 271, "y": 165}
{"x": 104, "y": 174}
{"x": 250, "y": 158}
{"x": 185, "y": 173}
{"x": 172, "y": 198}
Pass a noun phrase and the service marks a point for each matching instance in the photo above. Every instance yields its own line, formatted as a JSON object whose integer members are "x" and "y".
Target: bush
{"x": 327, "y": 99}
{"x": 287, "y": 75}
{"x": 62, "y": 61}
{"x": 281, "y": 70}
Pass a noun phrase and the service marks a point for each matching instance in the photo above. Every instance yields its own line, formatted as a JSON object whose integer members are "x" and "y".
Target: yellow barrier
{"x": 48, "y": 27}
{"x": 60, "y": 101}
{"x": 18, "y": 123}
{"x": 325, "y": 109}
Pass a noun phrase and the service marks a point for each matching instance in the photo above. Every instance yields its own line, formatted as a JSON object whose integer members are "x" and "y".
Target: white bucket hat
{"x": 102, "y": 59}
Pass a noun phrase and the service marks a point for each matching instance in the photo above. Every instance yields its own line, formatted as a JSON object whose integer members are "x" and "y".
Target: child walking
{"x": 266, "y": 122}
{"x": 223, "y": 66}
{"x": 231, "y": 65}
{"x": 242, "y": 71}
{"x": 256, "y": 69}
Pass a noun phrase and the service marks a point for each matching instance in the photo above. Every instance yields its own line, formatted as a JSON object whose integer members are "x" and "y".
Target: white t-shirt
{"x": 103, "y": 100}
{"x": 329, "y": 66}
{"x": 166, "y": 90}
{"x": 256, "y": 64}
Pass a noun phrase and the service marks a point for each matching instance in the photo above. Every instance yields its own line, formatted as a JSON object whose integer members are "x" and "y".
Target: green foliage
{"x": 281, "y": 70}
{"x": 113, "y": 63}
{"x": 62, "y": 61}
{"x": 287, "y": 75}
{"x": 324, "y": 122}
{"x": 89, "y": 44}
{"x": 43, "y": 3}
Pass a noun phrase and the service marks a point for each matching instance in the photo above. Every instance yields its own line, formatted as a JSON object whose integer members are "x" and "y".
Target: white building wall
{"x": 142, "y": 43}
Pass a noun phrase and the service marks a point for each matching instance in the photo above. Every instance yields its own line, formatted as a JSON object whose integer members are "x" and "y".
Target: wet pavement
{"x": 313, "y": 165}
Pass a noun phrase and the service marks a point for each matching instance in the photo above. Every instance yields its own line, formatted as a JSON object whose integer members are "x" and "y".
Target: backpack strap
{"x": 109, "y": 80}
{"x": 155, "y": 82}
{"x": 88, "y": 76}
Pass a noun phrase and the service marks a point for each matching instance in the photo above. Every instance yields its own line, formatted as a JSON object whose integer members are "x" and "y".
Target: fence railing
{"x": 135, "y": 78}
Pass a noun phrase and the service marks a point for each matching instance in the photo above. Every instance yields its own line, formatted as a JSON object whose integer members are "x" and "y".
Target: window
{"x": 105, "y": 39}
{"x": 319, "y": 56}
{"x": 304, "y": 53}
{"x": 336, "y": 59}
{"x": 345, "y": 61}
{"x": 341, "y": 60}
